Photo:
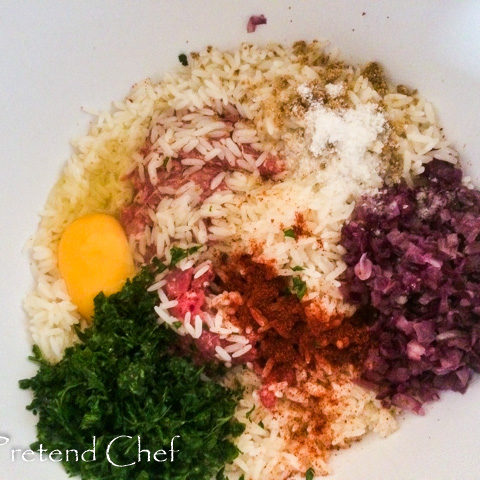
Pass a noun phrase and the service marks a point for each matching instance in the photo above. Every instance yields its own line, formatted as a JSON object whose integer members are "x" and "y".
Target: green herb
{"x": 250, "y": 412}
{"x": 123, "y": 379}
{"x": 221, "y": 475}
{"x": 178, "y": 253}
{"x": 299, "y": 287}
{"x": 261, "y": 425}
{"x": 242, "y": 477}
{"x": 297, "y": 268}
{"x": 182, "y": 58}
{"x": 177, "y": 324}
{"x": 290, "y": 232}
{"x": 165, "y": 162}
{"x": 309, "y": 474}
{"x": 158, "y": 266}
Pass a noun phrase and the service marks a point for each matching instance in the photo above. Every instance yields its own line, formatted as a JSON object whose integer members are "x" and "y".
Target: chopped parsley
{"x": 124, "y": 378}
{"x": 158, "y": 265}
{"x": 247, "y": 415}
{"x": 299, "y": 287}
{"x": 165, "y": 162}
{"x": 297, "y": 268}
{"x": 182, "y": 58}
{"x": 261, "y": 425}
{"x": 178, "y": 253}
{"x": 177, "y": 324}
{"x": 289, "y": 232}
{"x": 221, "y": 475}
{"x": 309, "y": 474}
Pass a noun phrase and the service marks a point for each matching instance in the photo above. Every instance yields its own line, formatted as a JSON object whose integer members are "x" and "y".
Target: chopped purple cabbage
{"x": 413, "y": 254}
{"x": 254, "y": 21}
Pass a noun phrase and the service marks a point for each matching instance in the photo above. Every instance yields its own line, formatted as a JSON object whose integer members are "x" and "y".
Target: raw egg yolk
{"x": 93, "y": 257}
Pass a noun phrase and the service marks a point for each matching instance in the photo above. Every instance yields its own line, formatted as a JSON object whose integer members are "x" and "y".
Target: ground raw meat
{"x": 271, "y": 166}
{"x": 191, "y": 301}
{"x": 178, "y": 282}
{"x": 206, "y": 345}
{"x": 203, "y": 280}
{"x": 267, "y": 396}
{"x": 190, "y": 293}
{"x": 134, "y": 217}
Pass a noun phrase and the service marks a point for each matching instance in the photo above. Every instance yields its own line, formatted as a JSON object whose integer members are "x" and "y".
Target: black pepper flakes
{"x": 182, "y": 58}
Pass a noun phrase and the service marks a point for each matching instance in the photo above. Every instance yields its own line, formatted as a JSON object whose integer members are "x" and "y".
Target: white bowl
{"x": 59, "y": 56}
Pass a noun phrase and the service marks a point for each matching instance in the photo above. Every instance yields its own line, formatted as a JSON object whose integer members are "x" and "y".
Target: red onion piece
{"x": 254, "y": 21}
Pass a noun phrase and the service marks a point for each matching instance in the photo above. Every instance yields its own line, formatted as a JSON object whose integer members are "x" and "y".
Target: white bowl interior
{"x": 58, "y": 57}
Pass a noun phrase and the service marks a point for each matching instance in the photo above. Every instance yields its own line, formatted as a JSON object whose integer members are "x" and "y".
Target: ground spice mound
{"x": 300, "y": 227}
{"x": 289, "y": 335}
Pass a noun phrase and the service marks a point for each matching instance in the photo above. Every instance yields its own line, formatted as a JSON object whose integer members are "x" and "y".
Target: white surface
{"x": 57, "y": 56}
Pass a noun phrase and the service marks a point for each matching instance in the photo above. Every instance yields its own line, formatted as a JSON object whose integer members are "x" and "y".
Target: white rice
{"x": 222, "y": 354}
{"x": 267, "y": 450}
